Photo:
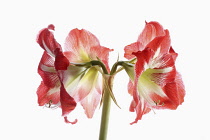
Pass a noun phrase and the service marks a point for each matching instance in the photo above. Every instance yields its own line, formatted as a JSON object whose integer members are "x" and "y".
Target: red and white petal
{"x": 162, "y": 62}
{"x": 47, "y": 95}
{"x": 130, "y": 87}
{"x": 47, "y": 71}
{"x": 151, "y": 31}
{"x": 68, "y": 103}
{"x": 80, "y": 42}
{"x": 61, "y": 62}
{"x": 47, "y": 41}
{"x": 134, "y": 47}
{"x": 180, "y": 87}
{"x": 146, "y": 88}
{"x": 71, "y": 78}
{"x": 102, "y": 53}
{"x": 160, "y": 45}
{"x": 90, "y": 102}
{"x": 141, "y": 109}
{"x": 163, "y": 76}
{"x": 72, "y": 57}
{"x": 173, "y": 53}
{"x": 176, "y": 92}
{"x": 86, "y": 84}
{"x": 143, "y": 58}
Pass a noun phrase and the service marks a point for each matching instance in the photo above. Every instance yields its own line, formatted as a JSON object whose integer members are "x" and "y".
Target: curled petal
{"x": 67, "y": 121}
{"x": 47, "y": 41}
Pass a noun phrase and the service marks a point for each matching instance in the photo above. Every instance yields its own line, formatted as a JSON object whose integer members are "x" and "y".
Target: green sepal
{"x": 108, "y": 79}
{"x": 129, "y": 68}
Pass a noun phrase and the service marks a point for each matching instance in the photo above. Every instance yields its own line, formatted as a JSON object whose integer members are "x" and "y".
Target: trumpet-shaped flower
{"x": 156, "y": 84}
{"x": 65, "y": 84}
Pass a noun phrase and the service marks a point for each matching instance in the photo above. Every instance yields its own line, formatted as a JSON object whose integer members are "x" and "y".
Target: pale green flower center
{"x": 146, "y": 86}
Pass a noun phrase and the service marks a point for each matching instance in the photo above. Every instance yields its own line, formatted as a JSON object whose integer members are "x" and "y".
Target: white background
{"x": 116, "y": 24}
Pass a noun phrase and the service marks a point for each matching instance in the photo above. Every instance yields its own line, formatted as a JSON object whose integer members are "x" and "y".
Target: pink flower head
{"x": 65, "y": 84}
{"x": 156, "y": 84}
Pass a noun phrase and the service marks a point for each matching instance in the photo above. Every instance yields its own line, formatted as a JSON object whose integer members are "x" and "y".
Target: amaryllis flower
{"x": 156, "y": 84}
{"x": 65, "y": 84}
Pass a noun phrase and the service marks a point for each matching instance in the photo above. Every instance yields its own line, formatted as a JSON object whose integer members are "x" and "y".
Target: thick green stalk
{"x": 106, "y": 97}
{"x": 105, "y": 115}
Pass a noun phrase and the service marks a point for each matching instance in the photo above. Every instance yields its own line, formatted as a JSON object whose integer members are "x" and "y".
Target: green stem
{"x": 105, "y": 115}
{"x": 107, "y": 97}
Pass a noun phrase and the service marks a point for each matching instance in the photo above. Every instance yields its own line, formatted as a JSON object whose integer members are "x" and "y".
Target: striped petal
{"x": 160, "y": 45}
{"x": 129, "y": 49}
{"x": 49, "y": 89}
{"x": 47, "y": 95}
{"x": 150, "y": 31}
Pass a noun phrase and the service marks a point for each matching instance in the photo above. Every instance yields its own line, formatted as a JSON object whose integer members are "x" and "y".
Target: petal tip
{"x": 51, "y": 27}
{"x": 67, "y": 121}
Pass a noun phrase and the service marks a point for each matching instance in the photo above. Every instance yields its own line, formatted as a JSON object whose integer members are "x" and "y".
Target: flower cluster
{"x": 65, "y": 84}
{"x": 78, "y": 72}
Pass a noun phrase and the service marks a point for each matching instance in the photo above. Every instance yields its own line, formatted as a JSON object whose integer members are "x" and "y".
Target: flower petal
{"x": 143, "y": 58}
{"x": 175, "y": 92}
{"x": 47, "y": 41}
{"x": 61, "y": 62}
{"x": 47, "y": 70}
{"x": 102, "y": 53}
{"x": 130, "y": 87}
{"x": 79, "y": 42}
{"x": 49, "y": 90}
{"x": 86, "y": 84}
{"x": 163, "y": 76}
{"x": 91, "y": 101}
{"x": 141, "y": 109}
{"x": 47, "y": 95}
{"x": 151, "y": 31}
{"x": 134, "y": 47}
{"x": 160, "y": 45}
{"x": 67, "y": 121}
{"x": 68, "y": 103}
